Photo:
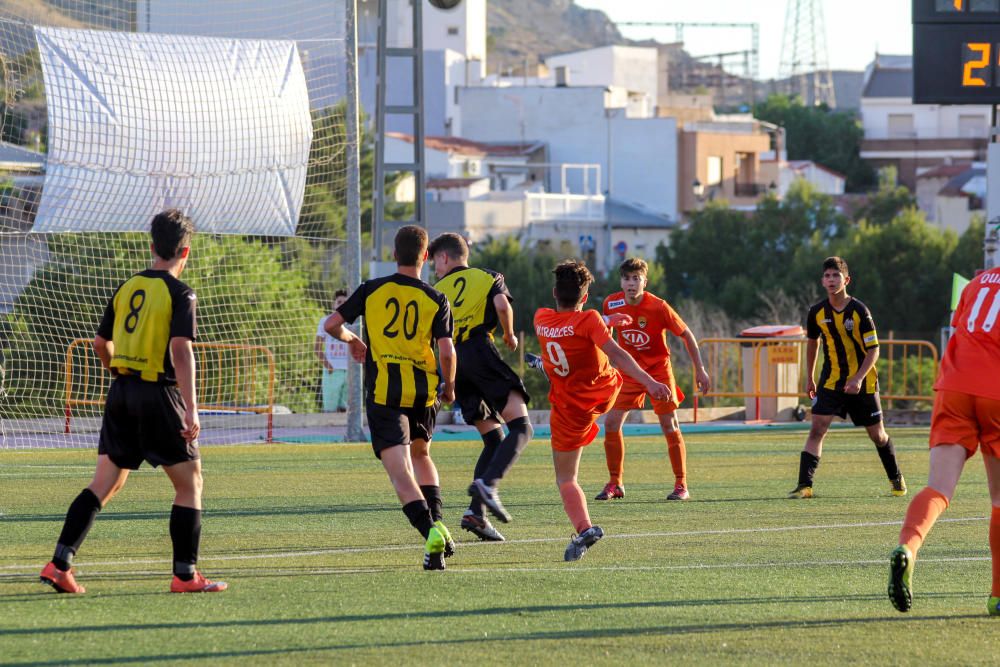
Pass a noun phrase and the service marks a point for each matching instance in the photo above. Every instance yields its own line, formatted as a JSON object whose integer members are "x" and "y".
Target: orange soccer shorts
{"x": 573, "y": 428}
{"x": 633, "y": 394}
{"x": 967, "y": 420}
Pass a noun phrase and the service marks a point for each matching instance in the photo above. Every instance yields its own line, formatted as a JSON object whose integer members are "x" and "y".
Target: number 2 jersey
{"x": 146, "y": 311}
{"x": 971, "y": 362}
{"x": 580, "y": 375}
{"x": 403, "y": 318}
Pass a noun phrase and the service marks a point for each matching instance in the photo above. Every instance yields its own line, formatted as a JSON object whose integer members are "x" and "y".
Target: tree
{"x": 832, "y": 139}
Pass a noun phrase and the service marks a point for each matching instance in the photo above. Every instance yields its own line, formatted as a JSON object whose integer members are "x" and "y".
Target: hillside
{"x": 532, "y": 29}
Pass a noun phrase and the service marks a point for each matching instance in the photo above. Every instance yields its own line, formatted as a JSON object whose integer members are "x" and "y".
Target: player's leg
{"x": 993, "y": 477}
{"x": 107, "y": 481}
{"x": 810, "y": 455}
{"x": 474, "y": 519}
{"x": 185, "y": 529}
{"x": 866, "y": 410}
{"x": 426, "y": 474}
{"x": 567, "y": 464}
{"x": 614, "y": 453}
{"x": 340, "y": 390}
{"x": 329, "y": 387}
{"x": 677, "y": 452}
{"x": 519, "y": 432}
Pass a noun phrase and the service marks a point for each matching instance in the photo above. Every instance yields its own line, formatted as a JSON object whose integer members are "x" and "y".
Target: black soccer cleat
{"x": 488, "y": 496}
{"x": 481, "y": 527}
{"x": 578, "y": 546}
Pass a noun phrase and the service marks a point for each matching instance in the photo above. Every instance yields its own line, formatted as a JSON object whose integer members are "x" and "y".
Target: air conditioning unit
{"x": 473, "y": 167}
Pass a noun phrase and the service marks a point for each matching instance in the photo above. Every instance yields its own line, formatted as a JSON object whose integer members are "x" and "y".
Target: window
{"x": 901, "y": 126}
{"x": 453, "y": 30}
{"x": 972, "y": 125}
{"x": 713, "y": 174}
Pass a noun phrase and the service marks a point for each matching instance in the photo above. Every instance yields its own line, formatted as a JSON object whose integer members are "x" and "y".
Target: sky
{"x": 855, "y": 29}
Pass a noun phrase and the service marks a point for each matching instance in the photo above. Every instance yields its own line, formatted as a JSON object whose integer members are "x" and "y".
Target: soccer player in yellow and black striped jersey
{"x": 404, "y": 317}
{"x": 151, "y": 412}
{"x": 485, "y": 386}
{"x": 848, "y": 383}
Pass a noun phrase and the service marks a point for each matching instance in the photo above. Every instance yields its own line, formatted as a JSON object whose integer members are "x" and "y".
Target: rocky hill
{"x": 529, "y": 30}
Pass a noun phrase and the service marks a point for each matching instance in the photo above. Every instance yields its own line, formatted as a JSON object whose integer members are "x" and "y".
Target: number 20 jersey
{"x": 580, "y": 375}
{"x": 971, "y": 362}
{"x": 403, "y": 318}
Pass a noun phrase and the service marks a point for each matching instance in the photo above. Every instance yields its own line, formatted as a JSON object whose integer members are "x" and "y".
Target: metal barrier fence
{"x": 231, "y": 378}
{"x": 777, "y": 370}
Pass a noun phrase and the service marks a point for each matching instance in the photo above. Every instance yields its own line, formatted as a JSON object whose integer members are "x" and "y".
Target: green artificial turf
{"x": 324, "y": 568}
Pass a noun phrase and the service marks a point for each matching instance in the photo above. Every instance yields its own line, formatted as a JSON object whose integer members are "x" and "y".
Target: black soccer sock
{"x": 887, "y": 453}
{"x": 419, "y": 515}
{"x": 519, "y": 433}
{"x": 491, "y": 441}
{"x": 79, "y": 518}
{"x": 432, "y": 494}
{"x": 185, "y": 533}
{"x": 807, "y": 468}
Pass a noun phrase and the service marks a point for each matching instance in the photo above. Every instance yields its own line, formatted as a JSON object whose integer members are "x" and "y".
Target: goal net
{"x": 112, "y": 110}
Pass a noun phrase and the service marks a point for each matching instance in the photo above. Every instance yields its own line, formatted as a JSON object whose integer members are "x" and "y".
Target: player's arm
{"x": 812, "y": 348}
{"x": 183, "y": 356}
{"x": 853, "y": 384}
{"x": 625, "y": 363}
{"x": 506, "y": 316}
{"x": 334, "y": 326}
{"x": 701, "y": 375}
{"x": 105, "y": 350}
{"x": 448, "y": 362}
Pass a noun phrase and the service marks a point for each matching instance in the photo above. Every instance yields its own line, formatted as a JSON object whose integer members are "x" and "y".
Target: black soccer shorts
{"x": 483, "y": 380}
{"x": 392, "y": 427}
{"x": 864, "y": 409}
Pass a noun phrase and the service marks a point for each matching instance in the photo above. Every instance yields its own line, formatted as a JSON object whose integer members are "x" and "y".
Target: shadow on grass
{"x": 584, "y": 633}
{"x": 159, "y": 515}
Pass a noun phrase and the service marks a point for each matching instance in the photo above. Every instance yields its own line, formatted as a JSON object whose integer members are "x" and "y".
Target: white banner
{"x": 139, "y": 122}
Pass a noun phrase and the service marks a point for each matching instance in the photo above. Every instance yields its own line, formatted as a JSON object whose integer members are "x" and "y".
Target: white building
{"x": 629, "y": 68}
{"x": 915, "y": 137}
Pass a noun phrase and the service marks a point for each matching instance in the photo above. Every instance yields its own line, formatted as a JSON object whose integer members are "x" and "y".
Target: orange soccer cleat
{"x": 60, "y": 580}
{"x": 197, "y": 585}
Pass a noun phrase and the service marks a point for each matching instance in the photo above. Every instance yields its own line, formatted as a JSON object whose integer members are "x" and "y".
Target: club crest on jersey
{"x": 642, "y": 322}
{"x": 849, "y": 325}
{"x": 635, "y": 337}
{"x": 617, "y": 303}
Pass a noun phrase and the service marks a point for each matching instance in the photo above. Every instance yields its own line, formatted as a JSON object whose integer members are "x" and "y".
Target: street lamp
{"x": 698, "y": 190}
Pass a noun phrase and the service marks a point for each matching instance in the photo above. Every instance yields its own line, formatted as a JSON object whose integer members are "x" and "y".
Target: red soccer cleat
{"x": 680, "y": 492}
{"x": 610, "y": 491}
{"x": 62, "y": 581}
{"x": 197, "y": 585}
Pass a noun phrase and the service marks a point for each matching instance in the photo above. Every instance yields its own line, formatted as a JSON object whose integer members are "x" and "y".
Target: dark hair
{"x": 572, "y": 280}
{"x": 339, "y": 293}
{"x": 171, "y": 230}
{"x": 411, "y": 244}
{"x": 836, "y": 263}
{"x": 633, "y": 265}
{"x": 451, "y": 244}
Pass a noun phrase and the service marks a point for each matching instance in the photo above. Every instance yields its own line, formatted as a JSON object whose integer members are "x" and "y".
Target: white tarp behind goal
{"x": 141, "y": 122}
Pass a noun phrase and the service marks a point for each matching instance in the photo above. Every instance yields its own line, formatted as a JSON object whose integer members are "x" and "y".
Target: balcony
{"x": 749, "y": 189}
{"x": 543, "y": 206}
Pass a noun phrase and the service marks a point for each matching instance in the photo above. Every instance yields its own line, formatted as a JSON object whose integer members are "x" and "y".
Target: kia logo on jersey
{"x": 635, "y": 337}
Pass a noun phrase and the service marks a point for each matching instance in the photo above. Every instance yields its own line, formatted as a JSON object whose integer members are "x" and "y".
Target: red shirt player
{"x": 576, "y": 346}
{"x": 646, "y": 341}
{"x": 966, "y": 417}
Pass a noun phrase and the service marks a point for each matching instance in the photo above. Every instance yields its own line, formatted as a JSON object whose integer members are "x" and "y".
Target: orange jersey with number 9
{"x": 580, "y": 375}
{"x": 971, "y": 362}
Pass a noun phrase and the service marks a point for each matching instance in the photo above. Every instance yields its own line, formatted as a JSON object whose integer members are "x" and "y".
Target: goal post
{"x": 237, "y": 113}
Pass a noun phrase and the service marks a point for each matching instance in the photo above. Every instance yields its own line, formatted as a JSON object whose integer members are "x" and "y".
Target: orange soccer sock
{"x": 575, "y": 504}
{"x": 614, "y": 451}
{"x": 924, "y": 510}
{"x": 995, "y": 549}
{"x": 678, "y": 456}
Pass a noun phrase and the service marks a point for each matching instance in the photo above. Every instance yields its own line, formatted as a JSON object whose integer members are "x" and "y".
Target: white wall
{"x": 930, "y": 121}
{"x": 575, "y": 124}
{"x": 629, "y": 67}
{"x": 437, "y": 163}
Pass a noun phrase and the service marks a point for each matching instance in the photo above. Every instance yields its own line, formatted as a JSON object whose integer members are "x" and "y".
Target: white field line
{"x": 411, "y": 547}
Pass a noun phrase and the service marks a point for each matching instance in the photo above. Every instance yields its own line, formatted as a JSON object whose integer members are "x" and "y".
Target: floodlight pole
{"x": 355, "y": 432}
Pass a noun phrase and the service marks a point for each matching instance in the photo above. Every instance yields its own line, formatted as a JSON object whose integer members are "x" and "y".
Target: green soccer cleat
{"x": 434, "y": 550}
{"x": 898, "y": 487}
{"x": 993, "y": 606}
{"x": 449, "y": 544}
{"x": 801, "y": 491}
{"x": 901, "y": 578}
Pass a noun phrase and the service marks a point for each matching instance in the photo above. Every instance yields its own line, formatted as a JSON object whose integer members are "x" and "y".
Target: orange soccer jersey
{"x": 967, "y": 405}
{"x": 646, "y": 340}
{"x": 583, "y": 384}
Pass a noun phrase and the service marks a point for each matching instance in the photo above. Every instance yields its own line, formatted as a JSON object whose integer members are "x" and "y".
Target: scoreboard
{"x": 956, "y": 51}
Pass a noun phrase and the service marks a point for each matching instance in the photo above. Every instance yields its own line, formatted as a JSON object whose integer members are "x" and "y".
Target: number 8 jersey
{"x": 403, "y": 318}
{"x": 146, "y": 311}
{"x": 971, "y": 362}
{"x": 580, "y": 375}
